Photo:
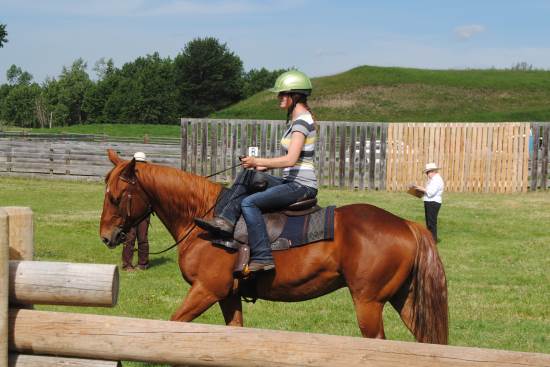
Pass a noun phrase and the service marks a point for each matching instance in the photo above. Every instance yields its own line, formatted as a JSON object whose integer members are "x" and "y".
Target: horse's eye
{"x": 113, "y": 200}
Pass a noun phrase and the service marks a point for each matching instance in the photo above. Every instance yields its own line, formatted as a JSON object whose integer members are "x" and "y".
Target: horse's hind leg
{"x": 369, "y": 317}
{"x": 198, "y": 300}
{"x": 232, "y": 310}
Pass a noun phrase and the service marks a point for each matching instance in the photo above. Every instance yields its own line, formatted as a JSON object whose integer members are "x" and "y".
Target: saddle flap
{"x": 274, "y": 222}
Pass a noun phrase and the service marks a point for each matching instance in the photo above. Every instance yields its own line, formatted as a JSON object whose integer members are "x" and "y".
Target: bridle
{"x": 132, "y": 184}
{"x": 130, "y": 193}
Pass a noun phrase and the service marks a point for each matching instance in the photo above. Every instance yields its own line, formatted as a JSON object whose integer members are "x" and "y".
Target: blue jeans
{"x": 279, "y": 194}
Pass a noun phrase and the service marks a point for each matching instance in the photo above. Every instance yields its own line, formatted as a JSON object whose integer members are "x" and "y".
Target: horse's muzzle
{"x": 117, "y": 236}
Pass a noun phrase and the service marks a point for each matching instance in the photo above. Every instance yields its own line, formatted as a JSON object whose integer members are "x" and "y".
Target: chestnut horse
{"x": 377, "y": 255}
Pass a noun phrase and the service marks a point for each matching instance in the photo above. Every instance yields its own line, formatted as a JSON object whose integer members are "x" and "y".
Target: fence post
{"x": 20, "y": 233}
{"x": 4, "y": 286}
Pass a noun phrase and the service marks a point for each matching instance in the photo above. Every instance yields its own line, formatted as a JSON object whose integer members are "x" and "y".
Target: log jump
{"x": 44, "y": 338}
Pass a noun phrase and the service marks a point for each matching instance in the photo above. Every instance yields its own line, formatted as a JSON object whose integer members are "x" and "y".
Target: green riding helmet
{"x": 293, "y": 81}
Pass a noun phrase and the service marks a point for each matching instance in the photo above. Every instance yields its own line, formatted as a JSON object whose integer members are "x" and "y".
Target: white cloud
{"x": 468, "y": 31}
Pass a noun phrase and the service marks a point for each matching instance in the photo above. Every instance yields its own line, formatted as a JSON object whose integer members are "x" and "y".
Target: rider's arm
{"x": 297, "y": 141}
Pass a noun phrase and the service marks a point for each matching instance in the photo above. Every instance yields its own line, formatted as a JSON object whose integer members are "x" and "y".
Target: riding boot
{"x": 262, "y": 259}
{"x": 216, "y": 225}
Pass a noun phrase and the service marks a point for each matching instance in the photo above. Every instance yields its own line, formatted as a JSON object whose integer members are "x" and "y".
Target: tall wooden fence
{"x": 349, "y": 154}
{"x": 473, "y": 157}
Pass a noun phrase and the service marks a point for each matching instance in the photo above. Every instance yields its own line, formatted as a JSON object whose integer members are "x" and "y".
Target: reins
{"x": 150, "y": 211}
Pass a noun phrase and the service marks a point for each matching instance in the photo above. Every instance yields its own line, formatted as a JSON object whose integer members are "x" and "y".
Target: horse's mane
{"x": 176, "y": 191}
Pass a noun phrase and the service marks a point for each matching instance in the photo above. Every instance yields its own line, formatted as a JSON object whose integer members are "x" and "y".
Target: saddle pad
{"x": 302, "y": 230}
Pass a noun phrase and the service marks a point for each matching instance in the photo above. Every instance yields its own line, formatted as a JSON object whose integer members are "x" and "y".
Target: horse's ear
{"x": 129, "y": 172}
{"x": 113, "y": 157}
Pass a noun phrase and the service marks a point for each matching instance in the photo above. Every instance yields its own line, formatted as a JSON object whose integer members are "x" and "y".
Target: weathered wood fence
{"x": 349, "y": 154}
{"x": 75, "y": 155}
{"x": 475, "y": 157}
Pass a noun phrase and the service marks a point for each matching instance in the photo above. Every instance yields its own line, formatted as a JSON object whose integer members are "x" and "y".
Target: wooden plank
{"x": 484, "y": 159}
{"x": 29, "y": 360}
{"x": 544, "y": 168}
{"x": 244, "y": 138}
{"x": 234, "y": 149}
{"x": 514, "y": 154}
{"x": 4, "y": 285}
{"x": 372, "y": 157}
{"x": 525, "y": 172}
{"x": 383, "y": 170}
{"x": 263, "y": 139}
{"x": 362, "y": 155}
{"x": 194, "y": 138}
{"x": 184, "y": 134}
{"x": 322, "y": 153}
{"x": 535, "y": 157}
{"x": 476, "y": 161}
{"x": 504, "y": 158}
{"x": 332, "y": 155}
{"x": 204, "y": 147}
{"x": 352, "y": 148}
{"x": 60, "y": 283}
{"x": 194, "y": 344}
{"x": 214, "y": 156}
{"x": 342, "y": 155}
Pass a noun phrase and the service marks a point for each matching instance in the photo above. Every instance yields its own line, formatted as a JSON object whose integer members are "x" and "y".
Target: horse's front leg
{"x": 232, "y": 310}
{"x": 197, "y": 300}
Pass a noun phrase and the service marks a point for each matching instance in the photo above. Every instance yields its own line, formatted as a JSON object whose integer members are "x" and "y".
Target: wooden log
{"x": 29, "y": 360}
{"x": 60, "y": 283}
{"x": 192, "y": 344}
{"x": 4, "y": 288}
{"x": 21, "y": 234}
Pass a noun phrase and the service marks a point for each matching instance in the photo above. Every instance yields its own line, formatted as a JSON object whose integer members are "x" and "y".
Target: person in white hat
{"x": 433, "y": 197}
{"x": 140, "y": 157}
{"x": 139, "y": 232}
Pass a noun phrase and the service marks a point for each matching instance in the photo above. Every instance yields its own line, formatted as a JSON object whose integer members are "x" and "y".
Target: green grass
{"x": 391, "y": 94}
{"x": 113, "y": 130}
{"x": 494, "y": 247}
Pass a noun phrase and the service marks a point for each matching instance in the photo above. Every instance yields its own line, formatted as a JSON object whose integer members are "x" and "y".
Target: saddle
{"x": 286, "y": 228}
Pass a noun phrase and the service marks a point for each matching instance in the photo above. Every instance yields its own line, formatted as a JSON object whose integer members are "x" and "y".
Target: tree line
{"x": 204, "y": 77}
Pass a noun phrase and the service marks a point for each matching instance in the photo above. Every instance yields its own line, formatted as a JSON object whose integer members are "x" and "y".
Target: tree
{"x": 19, "y": 106}
{"x": 3, "y": 35}
{"x": 16, "y": 76}
{"x": 72, "y": 85}
{"x": 258, "y": 80}
{"x": 208, "y": 77}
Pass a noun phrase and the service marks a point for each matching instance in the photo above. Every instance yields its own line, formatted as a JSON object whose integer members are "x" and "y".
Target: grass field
{"x": 389, "y": 94}
{"x": 494, "y": 247}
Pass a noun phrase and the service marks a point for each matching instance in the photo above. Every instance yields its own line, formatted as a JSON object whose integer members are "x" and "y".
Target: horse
{"x": 379, "y": 256}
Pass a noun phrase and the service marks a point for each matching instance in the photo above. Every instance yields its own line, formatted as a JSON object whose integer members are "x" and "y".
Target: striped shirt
{"x": 303, "y": 171}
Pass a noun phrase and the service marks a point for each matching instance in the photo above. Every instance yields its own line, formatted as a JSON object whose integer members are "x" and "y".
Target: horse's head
{"x": 125, "y": 203}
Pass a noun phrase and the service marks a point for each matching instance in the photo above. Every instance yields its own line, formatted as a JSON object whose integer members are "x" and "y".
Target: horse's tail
{"x": 429, "y": 321}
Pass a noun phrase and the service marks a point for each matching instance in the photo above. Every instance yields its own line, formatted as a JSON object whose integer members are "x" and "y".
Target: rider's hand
{"x": 249, "y": 162}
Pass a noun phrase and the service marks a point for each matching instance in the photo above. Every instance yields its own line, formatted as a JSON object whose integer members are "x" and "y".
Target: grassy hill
{"x": 370, "y": 93}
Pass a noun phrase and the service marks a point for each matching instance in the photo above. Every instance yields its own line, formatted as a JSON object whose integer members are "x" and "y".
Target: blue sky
{"x": 318, "y": 37}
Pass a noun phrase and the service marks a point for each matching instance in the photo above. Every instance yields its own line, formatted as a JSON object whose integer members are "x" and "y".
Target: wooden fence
{"x": 488, "y": 157}
{"x": 349, "y": 154}
{"x": 474, "y": 157}
{"x": 76, "y": 156}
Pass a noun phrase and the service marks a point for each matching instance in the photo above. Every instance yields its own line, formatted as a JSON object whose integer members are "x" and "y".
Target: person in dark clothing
{"x": 140, "y": 233}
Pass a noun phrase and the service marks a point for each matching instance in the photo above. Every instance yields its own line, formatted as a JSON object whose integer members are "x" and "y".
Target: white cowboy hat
{"x": 140, "y": 157}
{"x": 431, "y": 167}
